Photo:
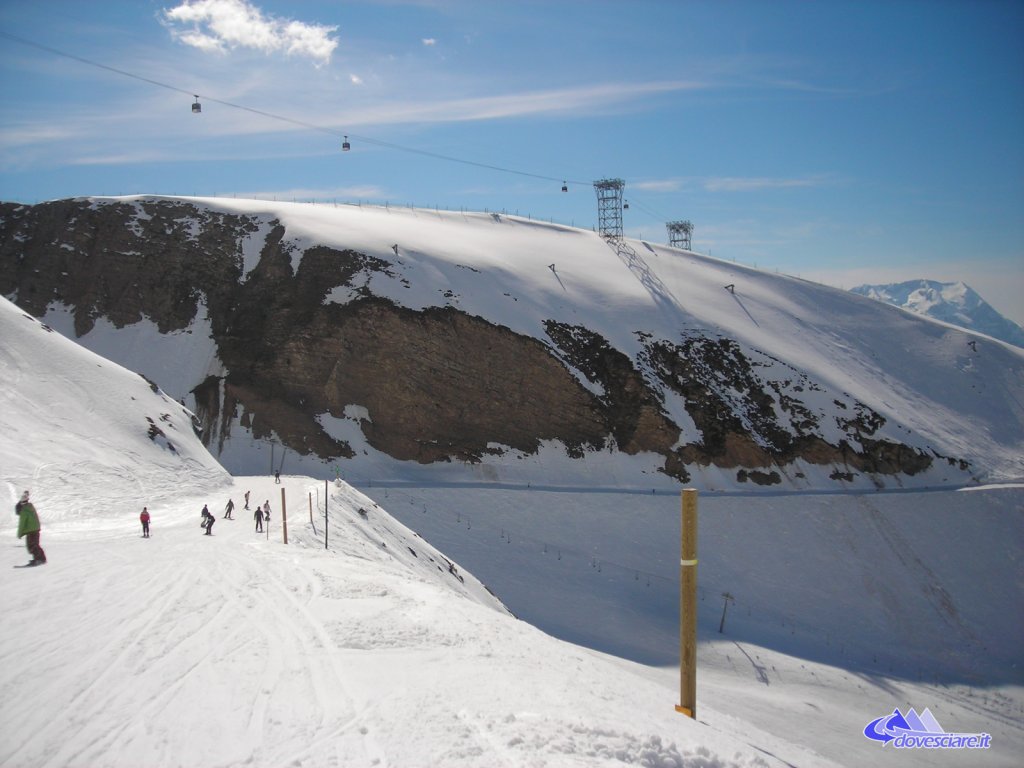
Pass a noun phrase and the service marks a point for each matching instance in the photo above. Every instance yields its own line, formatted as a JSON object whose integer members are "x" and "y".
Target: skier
{"x": 246, "y": 499}
{"x": 28, "y": 525}
{"x": 208, "y": 521}
{"x": 277, "y": 476}
{"x": 228, "y": 509}
{"x": 266, "y": 510}
{"x": 258, "y": 517}
{"x": 144, "y": 518}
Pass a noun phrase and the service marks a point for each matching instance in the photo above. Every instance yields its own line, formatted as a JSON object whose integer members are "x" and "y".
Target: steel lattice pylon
{"x": 609, "y": 207}
{"x": 679, "y": 233}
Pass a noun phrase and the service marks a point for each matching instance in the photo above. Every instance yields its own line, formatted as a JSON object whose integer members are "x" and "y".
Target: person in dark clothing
{"x": 208, "y": 521}
{"x": 246, "y": 499}
{"x": 258, "y": 516}
{"x": 144, "y": 518}
{"x": 277, "y": 476}
{"x": 229, "y": 508}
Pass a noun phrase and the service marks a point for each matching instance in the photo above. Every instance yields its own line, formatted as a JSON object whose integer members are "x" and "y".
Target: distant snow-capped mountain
{"x": 955, "y": 303}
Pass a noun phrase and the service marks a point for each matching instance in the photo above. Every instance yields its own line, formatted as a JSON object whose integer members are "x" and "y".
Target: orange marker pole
{"x": 688, "y": 606}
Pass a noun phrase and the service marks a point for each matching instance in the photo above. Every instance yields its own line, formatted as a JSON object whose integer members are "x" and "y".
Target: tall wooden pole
{"x": 284, "y": 517}
{"x": 688, "y": 606}
{"x": 325, "y": 514}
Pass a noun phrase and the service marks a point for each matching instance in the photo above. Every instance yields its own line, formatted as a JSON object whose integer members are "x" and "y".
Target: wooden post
{"x": 311, "y": 509}
{"x": 325, "y": 514}
{"x": 284, "y": 517}
{"x": 688, "y": 606}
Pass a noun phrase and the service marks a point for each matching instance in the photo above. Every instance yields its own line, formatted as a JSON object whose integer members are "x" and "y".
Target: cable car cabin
{"x": 625, "y": 206}
{"x": 197, "y": 107}
{"x": 565, "y": 187}
{"x": 345, "y": 146}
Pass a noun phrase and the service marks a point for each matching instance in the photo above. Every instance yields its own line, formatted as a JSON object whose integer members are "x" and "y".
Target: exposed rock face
{"x": 437, "y": 384}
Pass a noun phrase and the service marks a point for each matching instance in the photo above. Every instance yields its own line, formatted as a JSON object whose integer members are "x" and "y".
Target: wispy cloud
{"x": 758, "y": 183}
{"x": 221, "y": 25}
{"x": 657, "y": 185}
{"x": 586, "y": 99}
{"x": 429, "y": 41}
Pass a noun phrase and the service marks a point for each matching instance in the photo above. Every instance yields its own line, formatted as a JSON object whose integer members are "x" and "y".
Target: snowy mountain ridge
{"x": 955, "y": 303}
{"x": 402, "y": 343}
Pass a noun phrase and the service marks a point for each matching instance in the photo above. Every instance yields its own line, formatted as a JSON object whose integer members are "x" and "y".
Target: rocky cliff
{"x": 301, "y": 333}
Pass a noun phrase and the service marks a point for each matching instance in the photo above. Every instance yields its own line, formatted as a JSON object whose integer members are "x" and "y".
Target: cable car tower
{"x": 609, "y": 207}
{"x": 679, "y": 234}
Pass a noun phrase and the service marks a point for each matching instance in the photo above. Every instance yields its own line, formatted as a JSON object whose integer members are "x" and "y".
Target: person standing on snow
{"x": 246, "y": 499}
{"x": 208, "y": 521}
{"x": 144, "y": 518}
{"x": 228, "y": 509}
{"x": 266, "y": 510}
{"x": 277, "y": 476}
{"x": 258, "y": 517}
{"x": 28, "y": 525}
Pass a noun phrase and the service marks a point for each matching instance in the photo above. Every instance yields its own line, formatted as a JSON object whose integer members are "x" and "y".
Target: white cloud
{"x": 587, "y": 99}
{"x": 356, "y": 79}
{"x": 657, "y": 185}
{"x": 221, "y": 25}
{"x": 428, "y": 41}
{"x": 734, "y": 184}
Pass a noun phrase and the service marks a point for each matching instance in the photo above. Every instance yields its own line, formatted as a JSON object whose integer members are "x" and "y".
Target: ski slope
{"x": 237, "y": 649}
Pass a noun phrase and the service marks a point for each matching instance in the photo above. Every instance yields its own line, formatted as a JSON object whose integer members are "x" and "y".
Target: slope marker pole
{"x": 688, "y": 606}
{"x": 284, "y": 517}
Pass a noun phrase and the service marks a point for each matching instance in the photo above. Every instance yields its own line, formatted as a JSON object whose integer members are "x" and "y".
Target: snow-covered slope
{"x": 54, "y": 391}
{"x": 821, "y": 356}
{"x": 955, "y": 303}
{"x": 237, "y": 649}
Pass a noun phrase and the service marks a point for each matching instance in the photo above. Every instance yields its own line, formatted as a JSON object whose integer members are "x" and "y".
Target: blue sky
{"x": 844, "y": 142}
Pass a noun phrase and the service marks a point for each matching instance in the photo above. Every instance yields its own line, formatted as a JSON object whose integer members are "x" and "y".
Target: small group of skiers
{"x": 28, "y": 527}
{"x": 207, "y": 517}
{"x": 261, "y": 515}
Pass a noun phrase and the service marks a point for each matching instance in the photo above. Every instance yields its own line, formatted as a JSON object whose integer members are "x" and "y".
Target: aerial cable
{"x": 437, "y": 156}
{"x": 56, "y": 52}
{"x": 293, "y": 121}
{"x": 634, "y": 201}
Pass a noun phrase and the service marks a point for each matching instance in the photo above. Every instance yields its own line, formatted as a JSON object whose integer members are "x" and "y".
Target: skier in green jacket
{"x": 28, "y": 525}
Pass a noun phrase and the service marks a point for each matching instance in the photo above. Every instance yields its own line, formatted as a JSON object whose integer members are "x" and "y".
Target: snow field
{"x": 184, "y": 649}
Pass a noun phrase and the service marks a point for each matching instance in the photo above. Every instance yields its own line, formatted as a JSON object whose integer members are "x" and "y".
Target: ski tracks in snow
{"x": 233, "y": 629}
